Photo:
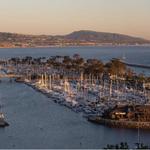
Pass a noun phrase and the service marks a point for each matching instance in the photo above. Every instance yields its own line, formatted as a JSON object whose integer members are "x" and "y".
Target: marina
{"x": 68, "y": 82}
{"x": 75, "y": 74}
{"x": 82, "y": 94}
{"x": 37, "y": 122}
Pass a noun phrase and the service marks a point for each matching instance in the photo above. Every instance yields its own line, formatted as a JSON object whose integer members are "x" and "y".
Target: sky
{"x": 56, "y": 17}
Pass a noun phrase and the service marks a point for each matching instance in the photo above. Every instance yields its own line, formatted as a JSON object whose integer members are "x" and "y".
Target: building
{"x": 130, "y": 112}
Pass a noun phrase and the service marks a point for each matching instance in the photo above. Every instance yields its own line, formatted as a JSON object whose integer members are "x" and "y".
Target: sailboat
{"x": 123, "y": 57}
{"x": 3, "y": 123}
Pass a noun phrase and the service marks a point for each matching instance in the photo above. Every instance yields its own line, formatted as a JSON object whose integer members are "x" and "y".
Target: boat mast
{"x": 138, "y": 131}
{"x": 50, "y": 82}
{"x": 110, "y": 90}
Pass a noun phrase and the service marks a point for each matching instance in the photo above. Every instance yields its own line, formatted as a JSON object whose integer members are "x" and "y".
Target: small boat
{"x": 3, "y": 123}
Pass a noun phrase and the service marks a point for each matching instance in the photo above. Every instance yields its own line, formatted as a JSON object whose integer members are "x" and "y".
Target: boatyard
{"x": 88, "y": 87}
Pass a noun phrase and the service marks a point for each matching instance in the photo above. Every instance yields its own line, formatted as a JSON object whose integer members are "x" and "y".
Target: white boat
{"x": 3, "y": 123}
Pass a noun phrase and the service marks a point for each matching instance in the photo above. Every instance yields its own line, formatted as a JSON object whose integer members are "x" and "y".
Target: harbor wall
{"x": 124, "y": 123}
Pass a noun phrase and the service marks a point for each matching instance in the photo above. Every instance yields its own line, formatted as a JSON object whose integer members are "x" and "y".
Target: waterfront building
{"x": 130, "y": 112}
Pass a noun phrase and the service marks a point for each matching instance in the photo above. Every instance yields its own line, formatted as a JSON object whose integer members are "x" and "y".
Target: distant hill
{"x": 78, "y": 38}
{"x": 104, "y": 37}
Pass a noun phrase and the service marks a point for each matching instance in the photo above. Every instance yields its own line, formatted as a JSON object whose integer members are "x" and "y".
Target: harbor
{"x": 36, "y": 121}
{"x": 45, "y": 103}
{"x": 75, "y": 74}
{"x": 68, "y": 82}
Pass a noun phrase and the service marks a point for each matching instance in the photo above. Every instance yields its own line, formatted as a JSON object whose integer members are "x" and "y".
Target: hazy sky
{"x": 63, "y": 16}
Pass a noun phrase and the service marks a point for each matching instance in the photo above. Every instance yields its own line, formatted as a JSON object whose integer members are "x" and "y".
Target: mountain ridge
{"x": 76, "y": 38}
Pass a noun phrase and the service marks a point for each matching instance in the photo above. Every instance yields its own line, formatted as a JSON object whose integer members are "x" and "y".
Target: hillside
{"x": 78, "y": 38}
{"x": 104, "y": 37}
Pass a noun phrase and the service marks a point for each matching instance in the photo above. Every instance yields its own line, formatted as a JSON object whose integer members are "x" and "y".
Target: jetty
{"x": 136, "y": 65}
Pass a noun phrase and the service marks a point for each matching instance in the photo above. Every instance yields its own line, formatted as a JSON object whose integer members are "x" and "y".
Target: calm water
{"x": 140, "y": 55}
{"x": 132, "y": 54}
{"x": 36, "y": 122}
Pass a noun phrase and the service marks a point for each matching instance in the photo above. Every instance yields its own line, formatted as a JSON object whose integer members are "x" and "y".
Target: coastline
{"x": 71, "y": 46}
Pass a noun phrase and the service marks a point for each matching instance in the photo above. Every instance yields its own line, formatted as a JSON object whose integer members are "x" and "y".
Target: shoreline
{"x": 88, "y": 46}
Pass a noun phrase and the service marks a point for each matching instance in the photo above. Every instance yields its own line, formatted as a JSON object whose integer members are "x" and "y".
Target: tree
{"x": 94, "y": 67}
{"x": 116, "y": 67}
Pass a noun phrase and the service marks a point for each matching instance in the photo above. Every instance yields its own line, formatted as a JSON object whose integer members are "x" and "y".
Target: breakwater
{"x": 137, "y": 65}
